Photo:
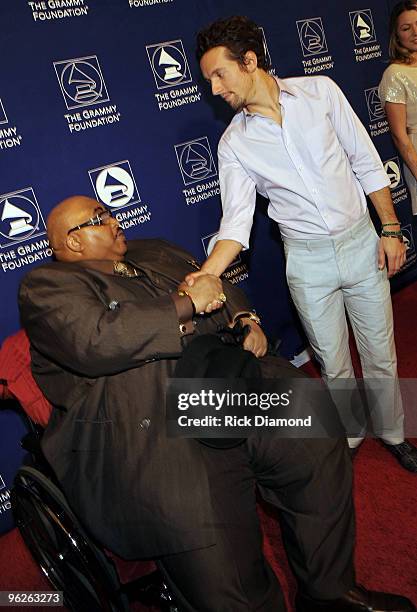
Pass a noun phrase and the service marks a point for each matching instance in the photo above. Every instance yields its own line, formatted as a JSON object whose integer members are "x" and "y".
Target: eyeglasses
{"x": 101, "y": 218}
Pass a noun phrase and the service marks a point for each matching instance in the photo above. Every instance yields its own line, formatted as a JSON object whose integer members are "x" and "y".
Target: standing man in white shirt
{"x": 298, "y": 142}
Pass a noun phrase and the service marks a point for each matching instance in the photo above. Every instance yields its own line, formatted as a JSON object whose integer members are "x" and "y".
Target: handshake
{"x": 204, "y": 290}
{"x": 206, "y": 293}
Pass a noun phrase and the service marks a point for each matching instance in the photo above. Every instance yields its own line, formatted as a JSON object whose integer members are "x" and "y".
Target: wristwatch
{"x": 247, "y": 315}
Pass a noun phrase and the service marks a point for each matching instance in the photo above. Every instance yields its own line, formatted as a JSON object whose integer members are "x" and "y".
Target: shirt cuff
{"x": 375, "y": 182}
{"x": 238, "y": 236}
{"x": 185, "y": 309}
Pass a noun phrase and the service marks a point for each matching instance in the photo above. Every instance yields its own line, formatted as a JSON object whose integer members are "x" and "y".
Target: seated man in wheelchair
{"x": 107, "y": 322}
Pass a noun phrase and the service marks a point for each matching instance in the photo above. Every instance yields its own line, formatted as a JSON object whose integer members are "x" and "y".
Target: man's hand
{"x": 390, "y": 248}
{"x": 192, "y": 277}
{"x": 223, "y": 253}
{"x": 206, "y": 292}
{"x": 255, "y": 341}
{"x": 394, "y": 252}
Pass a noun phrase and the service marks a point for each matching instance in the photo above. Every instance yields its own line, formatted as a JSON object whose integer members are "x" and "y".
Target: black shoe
{"x": 356, "y": 600}
{"x": 405, "y": 453}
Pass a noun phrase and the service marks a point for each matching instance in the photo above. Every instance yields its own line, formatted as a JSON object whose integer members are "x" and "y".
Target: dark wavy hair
{"x": 238, "y": 34}
{"x": 397, "y": 53}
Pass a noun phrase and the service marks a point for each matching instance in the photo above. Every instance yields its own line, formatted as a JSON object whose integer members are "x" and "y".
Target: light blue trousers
{"x": 327, "y": 278}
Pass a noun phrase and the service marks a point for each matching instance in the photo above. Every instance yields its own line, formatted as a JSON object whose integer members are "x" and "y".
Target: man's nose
{"x": 215, "y": 87}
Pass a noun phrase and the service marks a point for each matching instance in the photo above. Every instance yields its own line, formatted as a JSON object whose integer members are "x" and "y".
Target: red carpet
{"x": 386, "y": 543}
{"x": 385, "y": 500}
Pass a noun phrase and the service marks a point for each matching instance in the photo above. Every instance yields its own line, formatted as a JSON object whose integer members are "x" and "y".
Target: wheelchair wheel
{"x": 67, "y": 556}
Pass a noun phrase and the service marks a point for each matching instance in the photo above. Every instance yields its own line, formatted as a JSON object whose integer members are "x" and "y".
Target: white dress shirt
{"x": 314, "y": 169}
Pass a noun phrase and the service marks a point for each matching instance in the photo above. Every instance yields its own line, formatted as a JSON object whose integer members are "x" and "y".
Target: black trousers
{"x": 309, "y": 482}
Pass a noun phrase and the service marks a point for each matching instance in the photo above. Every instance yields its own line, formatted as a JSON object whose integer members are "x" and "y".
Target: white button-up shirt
{"x": 314, "y": 169}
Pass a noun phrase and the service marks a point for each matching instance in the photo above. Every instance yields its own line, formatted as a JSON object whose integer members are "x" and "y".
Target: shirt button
{"x": 145, "y": 423}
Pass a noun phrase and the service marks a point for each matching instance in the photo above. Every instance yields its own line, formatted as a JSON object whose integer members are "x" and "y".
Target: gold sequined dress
{"x": 399, "y": 85}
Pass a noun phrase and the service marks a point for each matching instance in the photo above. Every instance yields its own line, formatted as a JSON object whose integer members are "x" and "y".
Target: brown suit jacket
{"x": 104, "y": 369}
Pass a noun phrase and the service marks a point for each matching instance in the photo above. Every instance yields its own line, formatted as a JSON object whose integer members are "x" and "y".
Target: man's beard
{"x": 237, "y": 103}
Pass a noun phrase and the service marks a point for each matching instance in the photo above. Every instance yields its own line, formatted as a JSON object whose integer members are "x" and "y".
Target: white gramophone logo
{"x": 392, "y": 168}
{"x": 115, "y": 185}
{"x": 20, "y": 217}
{"x": 169, "y": 64}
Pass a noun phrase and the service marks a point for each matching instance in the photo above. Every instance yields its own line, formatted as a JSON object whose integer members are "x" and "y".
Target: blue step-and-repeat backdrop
{"x": 105, "y": 98}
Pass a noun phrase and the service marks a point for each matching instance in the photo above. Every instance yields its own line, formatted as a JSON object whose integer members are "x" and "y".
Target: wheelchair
{"x": 67, "y": 555}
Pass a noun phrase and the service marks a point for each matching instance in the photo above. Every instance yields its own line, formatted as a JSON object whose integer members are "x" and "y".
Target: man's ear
{"x": 74, "y": 243}
{"x": 250, "y": 61}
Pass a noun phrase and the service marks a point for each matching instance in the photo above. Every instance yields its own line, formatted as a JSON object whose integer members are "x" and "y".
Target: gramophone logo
{"x": 209, "y": 242}
{"x": 169, "y": 64}
{"x": 2, "y": 484}
{"x": 20, "y": 217}
{"x": 373, "y": 101}
{"x": 392, "y": 168}
{"x": 362, "y": 27}
{"x": 408, "y": 240}
{"x": 312, "y": 36}
{"x": 266, "y": 50}
{"x": 114, "y": 184}
{"x": 195, "y": 160}
{"x": 3, "y": 116}
{"x": 81, "y": 81}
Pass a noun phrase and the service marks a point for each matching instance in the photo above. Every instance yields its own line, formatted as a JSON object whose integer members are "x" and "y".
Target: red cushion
{"x": 15, "y": 370}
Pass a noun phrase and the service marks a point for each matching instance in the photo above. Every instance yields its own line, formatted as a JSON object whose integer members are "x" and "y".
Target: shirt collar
{"x": 283, "y": 88}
